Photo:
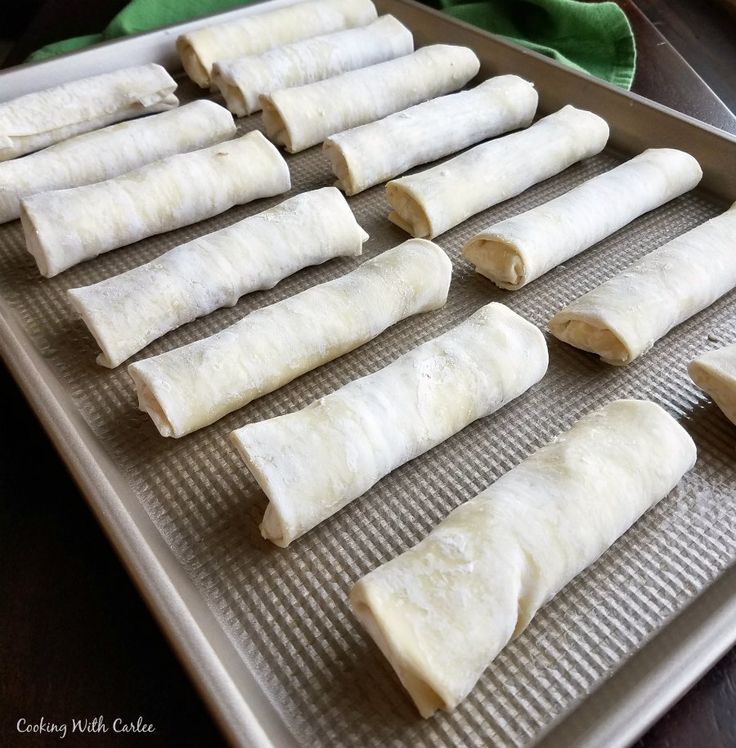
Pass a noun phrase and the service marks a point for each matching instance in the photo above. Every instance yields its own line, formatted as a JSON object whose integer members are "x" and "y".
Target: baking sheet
{"x": 283, "y": 612}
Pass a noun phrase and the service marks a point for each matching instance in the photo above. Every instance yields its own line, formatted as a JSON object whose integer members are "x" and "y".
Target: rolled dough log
{"x": 623, "y": 318}
{"x": 313, "y": 462}
{"x": 243, "y": 80}
{"x": 199, "y": 50}
{"x": 102, "y": 154}
{"x": 443, "y": 610}
{"x": 300, "y": 117}
{"x": 65, "y": 227}
{"x": 128, "y": 311}
{"x": 372, "y": 153}
{"x": 190, "y": 387}
{"x": 39, "y": 119}
{"x": 518, "y": 250}
{"x": 715, "y": 373}
{"x": 433, "y": 201}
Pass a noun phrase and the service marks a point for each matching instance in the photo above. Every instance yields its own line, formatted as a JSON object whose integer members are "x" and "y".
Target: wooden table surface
{"x": 76, "y": 640}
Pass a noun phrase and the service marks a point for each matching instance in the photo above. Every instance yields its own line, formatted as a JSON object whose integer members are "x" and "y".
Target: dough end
{"x": 234, "y": 99}
{"x": 591, "y": 337}
{"x": 367, "y": 611}
{"x": 191, "y": 63}
{"x": 407, "y": 213}
{"x": 496, "y": 259}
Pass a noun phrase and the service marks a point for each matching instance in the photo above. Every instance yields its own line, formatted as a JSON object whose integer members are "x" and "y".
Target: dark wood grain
{"x": 75, "y": 638}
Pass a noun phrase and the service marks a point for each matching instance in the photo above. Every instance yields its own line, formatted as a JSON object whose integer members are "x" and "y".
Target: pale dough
{"x": 715, "y": 373}
{"x": 443, "y": 610}
{"x": 244, "y": 80}
{"x": 433, "y": 201}
{"x": 193, "y": 386}
{"x": 113, "y": 150}
{"x": 313, "y": 462}
{"x": 128, "y": 311}
{"x": 518, "y": 250}
{"x": 199, "y": 50}
{"x": 300, "y": 117}
{"x": 65, "y": 227}
{"x": 623, "y": 318}
{"x": 375, "y": 152}
{"x": 40, "y": 119}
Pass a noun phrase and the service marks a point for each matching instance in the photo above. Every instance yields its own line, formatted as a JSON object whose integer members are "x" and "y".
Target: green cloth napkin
{"x": 592, "y": 37}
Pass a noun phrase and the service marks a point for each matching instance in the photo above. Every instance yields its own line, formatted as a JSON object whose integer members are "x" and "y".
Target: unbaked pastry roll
{"x": 190, "y": 387}
{"x": 300, "y": 117}
{"x": 623, "y": 318}
{"x": 65, "y": 227}
{"x": 518, "y": 250}
{"x": 373, "y": 153}
{"x": 443, "y": 610}
{"x": 199, "y": 50}
{"x": 243, "y": 80}
{"x": 45, "y": 117}
{"x": 433, "y": 201}
{"x": 128, "y": 311}
{"x": 314, "y": 462}
{"x": 715, "y": 373}
{"x": 102, "y": 154}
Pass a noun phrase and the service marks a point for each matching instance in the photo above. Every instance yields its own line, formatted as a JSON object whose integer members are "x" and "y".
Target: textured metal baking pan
{"x": 266, "y": 632}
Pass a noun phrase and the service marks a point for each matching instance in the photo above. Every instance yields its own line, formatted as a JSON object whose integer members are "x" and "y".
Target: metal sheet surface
{"x": 267, "y": 631}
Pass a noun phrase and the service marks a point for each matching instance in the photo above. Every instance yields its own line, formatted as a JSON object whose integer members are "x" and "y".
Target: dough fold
{"x": 128, "y": 311}
{"x": 244, "y": 80}
{"x": 40, "y": 119}
{"x": 190, "y": 387}
{"x": 443, "y": 610}
{"x": 313, "y": 462}
{"x": 375, "y": 152}
{"x": 65, "y": 227}
{"x": 199, "y": 50}
{"x": 433, "y": 201}
{"x": 715, "y": 373}
{"x": 518, "y": 250}
{"x": 300, "y": 117}
{"x": 111, "y": 151}
{"x": 625, "y": 316}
